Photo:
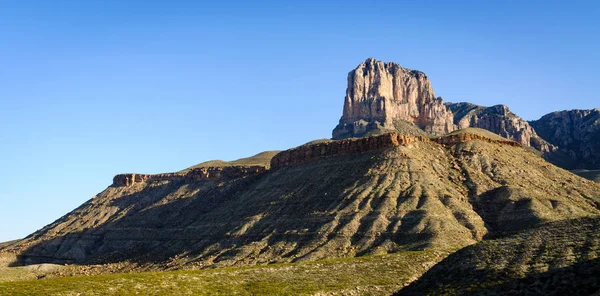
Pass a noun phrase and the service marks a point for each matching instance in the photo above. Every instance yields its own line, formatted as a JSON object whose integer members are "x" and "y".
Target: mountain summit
{"x": 385, "y": 96}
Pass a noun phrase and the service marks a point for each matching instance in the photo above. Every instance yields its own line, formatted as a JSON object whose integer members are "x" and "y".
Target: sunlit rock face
{"x": 379, "y": 95}
{"x": 499, "y": 120}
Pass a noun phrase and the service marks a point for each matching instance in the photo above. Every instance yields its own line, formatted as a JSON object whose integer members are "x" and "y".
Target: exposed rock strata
{"x": 384, "y": 97}
{"x": 380, "y": 94}
{"x": 466, "y": 137}
{"x": 310, "y": 152}
{"x": 576, "y": 133}
{"x": 196, "y": 174}
{"x": 499, "y": 120}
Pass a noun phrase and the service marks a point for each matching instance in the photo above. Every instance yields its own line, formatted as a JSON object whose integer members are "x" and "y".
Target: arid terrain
{"x": 411, "y": 191}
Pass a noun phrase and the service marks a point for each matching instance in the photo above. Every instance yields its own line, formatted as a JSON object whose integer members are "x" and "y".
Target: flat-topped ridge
{"x": 196, "y": 174}
{"x": 357, "y": 145}
{"x": 466, "y": 136}
{"x": 346, "y": 146}
{"x": 306, "y": 153}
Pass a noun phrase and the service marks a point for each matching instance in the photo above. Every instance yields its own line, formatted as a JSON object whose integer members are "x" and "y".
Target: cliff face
{"x": 312, "y": 152}
{"x": 499, "y": 120}
{"x": 384, "y": 97}
{"x": 380, "y": 94}
{"x": 196, "y": 174}
{"x": 576, "y": 133}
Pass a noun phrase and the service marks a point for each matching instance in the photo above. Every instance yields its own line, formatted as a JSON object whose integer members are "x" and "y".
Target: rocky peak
{"x": 499, "y": 120}
{"x": 379, "y": 95}
{"x": 576, "y": 133}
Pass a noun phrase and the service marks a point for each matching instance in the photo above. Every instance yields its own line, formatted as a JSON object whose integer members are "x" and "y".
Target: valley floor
{"x": 373, "y": 275}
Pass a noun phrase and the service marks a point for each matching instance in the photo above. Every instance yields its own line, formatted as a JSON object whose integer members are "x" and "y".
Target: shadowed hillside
{"x": 561, "y": 258}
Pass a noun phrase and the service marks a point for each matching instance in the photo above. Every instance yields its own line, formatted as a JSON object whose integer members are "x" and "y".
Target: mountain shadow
{"x": 560, "y": 258}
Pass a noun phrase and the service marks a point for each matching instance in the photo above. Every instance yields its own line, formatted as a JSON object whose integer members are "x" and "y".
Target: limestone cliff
{"x": 195, "y": 174}
{"x": 499, "y": 120}
{"x": 576, "y": 133}
{"x": 382, "y": 95}
{"x": 316, "y": 151}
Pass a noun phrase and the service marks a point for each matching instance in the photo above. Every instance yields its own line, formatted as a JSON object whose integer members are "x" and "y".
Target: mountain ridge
{"x": 385, "y": 97}
{"x": 404, "y": 195}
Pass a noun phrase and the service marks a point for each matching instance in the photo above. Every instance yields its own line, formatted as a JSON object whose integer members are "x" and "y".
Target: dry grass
{"x": 363, "y": 275}
{"x": 263, "y": 158}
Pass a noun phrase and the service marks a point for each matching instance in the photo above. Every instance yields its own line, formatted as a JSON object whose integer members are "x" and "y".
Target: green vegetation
{"x": 461, "y": 110}
{"x": 263, "y": 158}
{"x": 407, "y": 128}
{"x": 9, "y": 274}
{"x": 593, "y": 175}
{"x": 477, "y": 131}
{"x": 379, "y": 274}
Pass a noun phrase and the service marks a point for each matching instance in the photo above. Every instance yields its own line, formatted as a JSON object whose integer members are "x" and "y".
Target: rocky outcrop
{"x": 381, "y": 94}
{"x": 124, "y": 180}
{"x": 197, "y": 174}
{"x": 576, "y": 133}
{"x": 315, "y": 151}
{"x": 384, "y": 97}
{"x": 310, "y": 152}
{"x": 499, "y": 120}
{"x": 466, "y": 137}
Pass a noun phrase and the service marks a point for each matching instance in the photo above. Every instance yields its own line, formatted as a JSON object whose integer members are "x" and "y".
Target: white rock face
{"x": 379, "y": 94}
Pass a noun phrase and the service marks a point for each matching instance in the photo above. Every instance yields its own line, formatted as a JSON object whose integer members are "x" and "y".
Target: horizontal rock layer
{"x": 309, "y": 152}
{"x": 204, "y": 173}
{"x": 357, "y": 145}
{"x": 499, "y": 120}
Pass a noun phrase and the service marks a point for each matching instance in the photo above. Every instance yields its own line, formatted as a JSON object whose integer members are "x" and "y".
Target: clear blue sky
{"x": 89, "y": 89}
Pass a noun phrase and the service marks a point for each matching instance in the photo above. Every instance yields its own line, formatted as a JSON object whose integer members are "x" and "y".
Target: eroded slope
{"x": 344, "y": 198}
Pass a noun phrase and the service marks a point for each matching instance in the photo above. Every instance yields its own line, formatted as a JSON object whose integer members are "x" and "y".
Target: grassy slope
{"x": 8, "y": 243}
{"x": 8, "y": 274}
{"x": 560, "y": 258}
{"x": 460, "y": 110}
{"x": 369, "y": 274}
{"x": 479, "y": 132}
{"x": 263, "y": 158}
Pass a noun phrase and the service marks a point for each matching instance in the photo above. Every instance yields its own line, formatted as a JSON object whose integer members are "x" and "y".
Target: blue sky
{"x": 89, "y": 89}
